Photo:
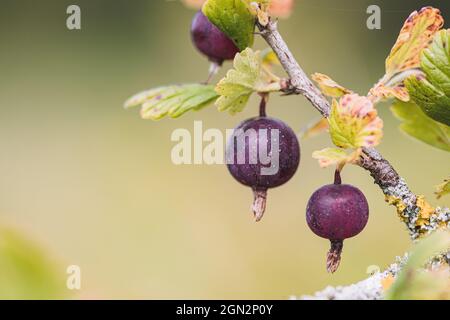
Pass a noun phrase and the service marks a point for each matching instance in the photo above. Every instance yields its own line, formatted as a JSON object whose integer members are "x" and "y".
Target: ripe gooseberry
{"x": 210, "y": 41}
{"x": 337, "y": 212}
{"x": 263, "y": 153}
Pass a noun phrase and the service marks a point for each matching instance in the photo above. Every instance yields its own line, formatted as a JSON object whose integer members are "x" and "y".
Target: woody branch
{"x": 386, "y": 177}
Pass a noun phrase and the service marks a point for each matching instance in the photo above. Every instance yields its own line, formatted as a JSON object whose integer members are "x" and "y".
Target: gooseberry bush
{"x": 416, "y": 83}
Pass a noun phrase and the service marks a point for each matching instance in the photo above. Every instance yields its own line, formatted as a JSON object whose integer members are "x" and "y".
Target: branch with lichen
{"x": 419, "y": 216}
{"x": 372, "y": 288}
{"x": 423, "y": 273}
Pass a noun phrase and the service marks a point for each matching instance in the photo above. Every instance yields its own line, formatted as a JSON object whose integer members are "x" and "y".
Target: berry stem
{"x": 337, "y": 177}
{"x": 334, "y": 255}
{"x": 213, "y": 69}
{"x": 263, "y": 105}
{"x": 259, "y": 204}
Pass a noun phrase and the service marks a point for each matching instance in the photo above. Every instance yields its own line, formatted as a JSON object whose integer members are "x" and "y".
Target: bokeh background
{"x": 85, "y": 182}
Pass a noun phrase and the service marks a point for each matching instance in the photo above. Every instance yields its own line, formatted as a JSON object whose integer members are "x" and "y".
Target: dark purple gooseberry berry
{"x": 258, "y": 136}
{"x": 337, "y": 212}
{"x": 210, "y": 41}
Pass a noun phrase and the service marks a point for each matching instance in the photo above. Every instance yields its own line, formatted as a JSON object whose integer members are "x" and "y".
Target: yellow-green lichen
{"x": 425, "y": 211}
{"x": 398, "y": 203}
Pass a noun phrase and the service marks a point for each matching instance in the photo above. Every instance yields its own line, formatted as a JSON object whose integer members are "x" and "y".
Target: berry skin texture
{"x": 337, "y": 212}
{"x": 210, "y": 41}
{"x": 283, "y": 163}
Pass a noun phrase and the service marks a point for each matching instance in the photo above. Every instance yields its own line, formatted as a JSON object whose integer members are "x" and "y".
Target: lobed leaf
{"x": 416, "y": 34}
{"x": 404, "y": 59}
{"x": 354, "y": 123}
{"x": 234, "y": 18}
{"x": 334, "y": 156}
{"x": 418, "y": 125}
{"x": 172, "y": 101}
{"x": 432, "y": 93}
{"x": 246, "y": 78}
{"x": 383, "y": 92}
{"x": 329, "y": 87}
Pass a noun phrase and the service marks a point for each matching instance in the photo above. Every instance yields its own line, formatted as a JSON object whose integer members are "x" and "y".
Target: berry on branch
{"x": 210, "y": 41}
{"x": 337, "y": 212}
{"x": 263, "y": 153}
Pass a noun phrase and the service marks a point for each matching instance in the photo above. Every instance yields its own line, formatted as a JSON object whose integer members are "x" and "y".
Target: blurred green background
{"x": 93, "y": 185}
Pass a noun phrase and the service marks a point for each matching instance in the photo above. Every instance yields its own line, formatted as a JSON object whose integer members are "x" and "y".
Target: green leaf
{"x": 26, "y": 271}
{"x": 354, "y": 123}
{"x": 233, "y": 18}
{"x": 414, "y": 283}
{"x": 172, "y": 101}
{"x": 432, "y": 93}
{"x": 443, "y": 189}
{"x": 246, "y": 78}
{"x": 418, "y": 125}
